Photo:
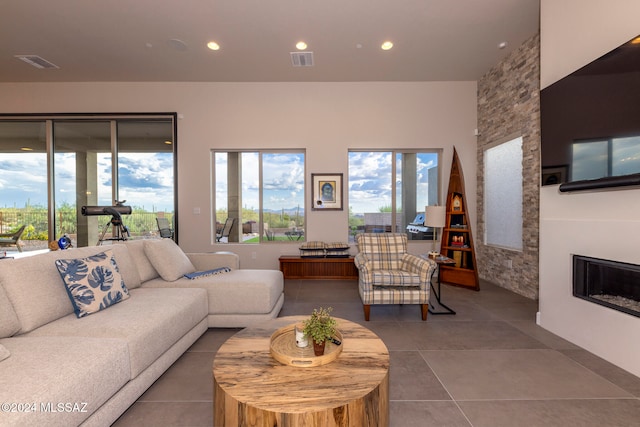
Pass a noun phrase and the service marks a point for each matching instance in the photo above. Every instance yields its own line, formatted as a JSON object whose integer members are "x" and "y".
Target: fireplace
{"x": 612, "y": 284}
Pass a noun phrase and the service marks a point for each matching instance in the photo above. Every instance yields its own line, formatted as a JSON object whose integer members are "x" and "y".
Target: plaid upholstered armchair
{"x": 389, "y": 275}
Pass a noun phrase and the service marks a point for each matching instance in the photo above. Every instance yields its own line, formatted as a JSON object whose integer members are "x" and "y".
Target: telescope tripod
{"x": 120, "y": 231}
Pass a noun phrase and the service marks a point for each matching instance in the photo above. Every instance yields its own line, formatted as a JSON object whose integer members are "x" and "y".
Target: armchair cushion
{"x": 395, "y": 278}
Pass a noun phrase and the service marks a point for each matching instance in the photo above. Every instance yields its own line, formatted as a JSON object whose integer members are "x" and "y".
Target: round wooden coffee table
{"x": 251, "y": 388}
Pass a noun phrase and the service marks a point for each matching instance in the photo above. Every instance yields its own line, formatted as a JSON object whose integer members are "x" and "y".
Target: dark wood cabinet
{"x": 296, "y": 267}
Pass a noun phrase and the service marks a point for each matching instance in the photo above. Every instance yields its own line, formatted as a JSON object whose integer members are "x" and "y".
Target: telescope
{"x": 106, "y": 210}
{"x": 120, "y": 231}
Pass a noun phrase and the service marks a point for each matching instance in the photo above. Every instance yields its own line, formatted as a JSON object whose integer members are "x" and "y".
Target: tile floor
{"x": 489, "y": 365}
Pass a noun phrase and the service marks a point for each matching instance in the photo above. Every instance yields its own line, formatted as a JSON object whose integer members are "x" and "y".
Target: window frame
{"x": 430, "y": 234}
{"x": 113, "y": 118}
{"x": 296, "y": 236}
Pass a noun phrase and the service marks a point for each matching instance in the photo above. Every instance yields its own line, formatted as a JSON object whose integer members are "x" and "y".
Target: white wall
{"x": 603, "y": 224}
{"x": 324, "y": 118}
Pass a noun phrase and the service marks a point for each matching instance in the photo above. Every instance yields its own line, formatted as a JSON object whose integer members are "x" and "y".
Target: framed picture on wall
{"x": 326, "y": 191}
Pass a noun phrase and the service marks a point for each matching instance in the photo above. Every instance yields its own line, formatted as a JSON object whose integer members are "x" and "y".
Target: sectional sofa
{"x": 77, "y": 347}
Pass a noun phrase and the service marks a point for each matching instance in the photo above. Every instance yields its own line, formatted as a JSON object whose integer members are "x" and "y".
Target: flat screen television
{"x": 590, "y": 123}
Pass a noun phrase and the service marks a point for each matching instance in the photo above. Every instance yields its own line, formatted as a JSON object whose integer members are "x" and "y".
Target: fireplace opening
{"x": 612, "y": 284}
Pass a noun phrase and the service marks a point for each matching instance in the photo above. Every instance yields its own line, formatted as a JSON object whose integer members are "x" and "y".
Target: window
{"x": 503, "y": 195}
{"x": 387, "y": 190}
{"x": 95, "y": 160}
{"x": 263, "y": 193}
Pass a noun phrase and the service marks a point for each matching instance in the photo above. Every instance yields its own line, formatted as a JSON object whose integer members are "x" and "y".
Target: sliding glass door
{"x": 51, "y": 167}
{"x": 23, "y": 180}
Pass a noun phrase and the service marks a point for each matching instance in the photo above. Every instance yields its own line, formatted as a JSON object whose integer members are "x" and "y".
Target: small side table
{"x": 440, "y": 260}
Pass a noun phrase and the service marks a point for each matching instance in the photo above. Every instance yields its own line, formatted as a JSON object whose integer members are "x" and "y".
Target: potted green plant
{"x": 320, "y": 327}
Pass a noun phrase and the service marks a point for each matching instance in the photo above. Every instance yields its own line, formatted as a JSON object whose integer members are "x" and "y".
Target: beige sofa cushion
{"x": 168, "y": 259}
{"x": 52, "y": 370}
{"x": 4, "y": 353}
{"x": 150, "y": 322}
{"x": 235, "y": 292}
{"x": 9, "y": 323}
{"x": 37, "y": 291}
{"x": 136, "y": 251}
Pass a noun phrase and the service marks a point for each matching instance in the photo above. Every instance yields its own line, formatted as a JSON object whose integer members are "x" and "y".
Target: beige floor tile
{"x": 167, "y": 414}
{"x": 412, "y": 379}
{"x": 471, "y": 335}
{"x": 547, "y": 338}
{"x": 422, "y": 414}
{"x": 517, "y": 374}
{"x": 553, "y": 413}
{"x": 616, "y": 375}
{"x": 189, "y": 379}
{"x": 213, "y": 338}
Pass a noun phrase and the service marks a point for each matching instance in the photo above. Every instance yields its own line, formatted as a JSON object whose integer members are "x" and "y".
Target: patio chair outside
{"x": 164, "y": 228}
{"x": 11, "y": 239}
{"x": 228, "y": 224}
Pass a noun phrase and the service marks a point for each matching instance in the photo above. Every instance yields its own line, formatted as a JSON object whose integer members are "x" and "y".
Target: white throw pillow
{"x": 168, "y": 259}
{"x": 4, "y": 353}
{"x": 93, "y": 283}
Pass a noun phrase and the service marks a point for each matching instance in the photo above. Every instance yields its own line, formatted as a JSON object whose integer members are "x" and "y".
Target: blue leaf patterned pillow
{"x": 93, "y": 283}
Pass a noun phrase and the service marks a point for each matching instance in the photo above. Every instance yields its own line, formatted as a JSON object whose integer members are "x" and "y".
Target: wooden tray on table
{"x": 284, "y": 349}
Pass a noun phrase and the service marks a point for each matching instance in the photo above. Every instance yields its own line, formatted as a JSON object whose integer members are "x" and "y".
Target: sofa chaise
{"x": 62, "y": 364}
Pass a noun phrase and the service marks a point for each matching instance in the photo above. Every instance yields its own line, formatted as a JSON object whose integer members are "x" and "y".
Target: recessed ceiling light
{"x": 213, "y": 45}
{"x": 26, "y": 148}
{"x": 386, "y": 45}
{"x": 168, "y": 142}
{"x": 301, "y": 45}
{"x": 502, "y": 45}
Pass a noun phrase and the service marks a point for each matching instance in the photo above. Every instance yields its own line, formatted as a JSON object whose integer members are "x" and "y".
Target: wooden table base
{"x": 253, "y": 389}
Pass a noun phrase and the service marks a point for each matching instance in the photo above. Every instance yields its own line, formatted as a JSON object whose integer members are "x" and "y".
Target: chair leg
{"x": 425, "y": 310}
{"x": 367, "y": 311}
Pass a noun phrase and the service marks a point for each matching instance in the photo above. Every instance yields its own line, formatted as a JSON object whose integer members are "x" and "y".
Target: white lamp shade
{"x": 434, "y": 216}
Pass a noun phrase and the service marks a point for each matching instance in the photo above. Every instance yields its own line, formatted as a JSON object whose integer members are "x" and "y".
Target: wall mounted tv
{"x": 590, "y": 123}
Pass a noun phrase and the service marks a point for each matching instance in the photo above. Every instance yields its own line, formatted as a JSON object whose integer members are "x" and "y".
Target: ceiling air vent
{"x": 302, "y": 59}
{"x": 37, "y": 62}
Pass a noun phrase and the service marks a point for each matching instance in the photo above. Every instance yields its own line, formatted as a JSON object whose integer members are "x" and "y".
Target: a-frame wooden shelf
{"x": 457, "y": 240}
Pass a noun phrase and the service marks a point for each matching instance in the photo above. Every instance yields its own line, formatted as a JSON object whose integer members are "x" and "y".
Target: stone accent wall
{"x": 509, "y": 106}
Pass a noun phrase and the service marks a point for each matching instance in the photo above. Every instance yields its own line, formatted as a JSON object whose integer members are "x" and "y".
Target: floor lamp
{"x": 434, "y": 217}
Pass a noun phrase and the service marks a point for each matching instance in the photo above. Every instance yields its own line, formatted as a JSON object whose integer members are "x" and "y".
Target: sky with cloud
{"x": 145, "y": 180}
{"x": 367, "y": 186}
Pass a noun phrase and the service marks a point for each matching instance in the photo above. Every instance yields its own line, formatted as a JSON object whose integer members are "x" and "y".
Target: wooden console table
{"x": 251, "y": 388}
{"x": 295, "y": 267}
